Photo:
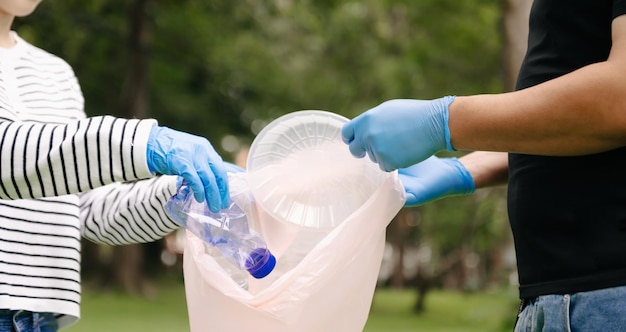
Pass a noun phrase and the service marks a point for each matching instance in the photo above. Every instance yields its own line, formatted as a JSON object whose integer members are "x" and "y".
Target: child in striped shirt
{"x": 64, "y": 176}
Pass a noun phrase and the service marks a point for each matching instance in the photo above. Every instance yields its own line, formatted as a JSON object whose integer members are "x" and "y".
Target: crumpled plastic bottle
{"x": 227, "y": 230}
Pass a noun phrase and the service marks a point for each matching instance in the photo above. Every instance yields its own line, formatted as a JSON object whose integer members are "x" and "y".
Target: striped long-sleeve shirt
{"x": 64, "y": 176}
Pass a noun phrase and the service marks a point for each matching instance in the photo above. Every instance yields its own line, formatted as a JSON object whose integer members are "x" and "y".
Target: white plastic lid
{"x": 300, "y": 171}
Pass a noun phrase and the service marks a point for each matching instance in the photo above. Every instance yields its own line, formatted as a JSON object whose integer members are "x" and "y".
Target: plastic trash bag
{"x": 329, "y": 289}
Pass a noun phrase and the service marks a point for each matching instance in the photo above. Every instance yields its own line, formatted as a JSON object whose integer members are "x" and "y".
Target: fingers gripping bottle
{"x": 227, "y": 230}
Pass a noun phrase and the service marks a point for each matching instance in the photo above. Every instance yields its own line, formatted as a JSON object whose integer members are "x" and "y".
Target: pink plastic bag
{"x": 331, "y": 289}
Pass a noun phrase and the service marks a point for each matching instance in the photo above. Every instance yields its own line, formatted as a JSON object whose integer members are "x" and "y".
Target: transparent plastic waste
{"x": 227, "y": 231}
{"x": 309, "y": 198}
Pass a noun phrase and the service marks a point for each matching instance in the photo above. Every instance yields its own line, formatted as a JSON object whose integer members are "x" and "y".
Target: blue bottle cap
{"x": 261, "y": 263}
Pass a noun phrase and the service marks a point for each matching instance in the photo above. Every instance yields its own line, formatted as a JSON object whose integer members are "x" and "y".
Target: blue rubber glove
{"x": 230, "y": 168}
{"x": 435, "y": 178}
{"x": 192, "y": 157}
{"x": 400, "y": 132}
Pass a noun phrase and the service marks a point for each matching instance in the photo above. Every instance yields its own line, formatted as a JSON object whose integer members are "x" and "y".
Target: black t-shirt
{"x": 568, "y": 214}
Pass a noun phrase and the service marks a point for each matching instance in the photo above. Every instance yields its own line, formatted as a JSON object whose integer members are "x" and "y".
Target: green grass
{"x": 120, "y": 312}
{"x": 445, "y": 311}
{"x": 391, "y": 311}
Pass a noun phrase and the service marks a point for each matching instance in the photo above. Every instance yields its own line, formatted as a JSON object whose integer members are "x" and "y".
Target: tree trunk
{"x": 91, "y": 262}
{"x": 128, "y": 260}
{"x": 127, "y": 266}
{"x": 422, "y": 285}
{"x": 136, "y": 87}
{"x": 399, "y": 229}
{"x": 515, "y": 38}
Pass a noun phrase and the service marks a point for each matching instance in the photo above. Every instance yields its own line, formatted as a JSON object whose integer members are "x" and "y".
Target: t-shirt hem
{"x": 576, "y": 285}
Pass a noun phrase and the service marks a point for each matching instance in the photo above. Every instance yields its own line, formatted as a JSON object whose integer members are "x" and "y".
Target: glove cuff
{"x": 467, "y": 182}
{"x": 155, "y": 156}
{"x": 446, "y": 101}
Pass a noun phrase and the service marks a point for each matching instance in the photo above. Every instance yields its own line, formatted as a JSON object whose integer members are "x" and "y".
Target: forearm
{"x": 580, "y": 113}
{"x": 487, "y": 168}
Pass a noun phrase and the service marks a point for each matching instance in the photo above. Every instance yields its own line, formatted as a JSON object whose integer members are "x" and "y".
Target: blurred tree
{"x": 128, "y": 261}
{"x": 223, "y": 69}
{"x": 515, "y": 15}
{"x": 403, "y": 233}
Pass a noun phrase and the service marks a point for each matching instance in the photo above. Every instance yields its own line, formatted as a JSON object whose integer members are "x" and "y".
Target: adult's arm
{"x": 436, "y": 178}
{"x": 487, "y": 168}
{"x": 579, "y": 113}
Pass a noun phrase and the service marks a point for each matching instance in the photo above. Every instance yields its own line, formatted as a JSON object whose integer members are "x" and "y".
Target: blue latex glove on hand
{"x": 401, "y": 132}
{"x": 192, "y": 157}
{"x": 230, "y": 168}
{"x": 435, "y": 178}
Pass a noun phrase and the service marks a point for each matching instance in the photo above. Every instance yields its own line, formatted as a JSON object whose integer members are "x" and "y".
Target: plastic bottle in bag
{"x": 227, "y": 231}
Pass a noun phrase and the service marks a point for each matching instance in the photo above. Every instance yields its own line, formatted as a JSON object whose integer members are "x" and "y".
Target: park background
{"x": 224, "y": 69}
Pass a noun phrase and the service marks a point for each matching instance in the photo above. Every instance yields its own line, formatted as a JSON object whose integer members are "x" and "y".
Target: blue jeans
{"x": 599, "y": 310}
{"x": 26, "y": 321}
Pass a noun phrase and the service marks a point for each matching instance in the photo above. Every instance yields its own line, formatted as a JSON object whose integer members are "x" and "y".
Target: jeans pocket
{"x": 44, "y": 322}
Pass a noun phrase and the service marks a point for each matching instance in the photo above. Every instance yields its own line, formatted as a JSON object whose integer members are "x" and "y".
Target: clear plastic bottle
{"x": 227, "y": 231}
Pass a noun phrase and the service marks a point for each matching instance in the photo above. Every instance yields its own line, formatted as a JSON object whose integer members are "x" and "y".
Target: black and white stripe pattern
{"x": 52, "y": 160}
{"x": 63, "y": 175}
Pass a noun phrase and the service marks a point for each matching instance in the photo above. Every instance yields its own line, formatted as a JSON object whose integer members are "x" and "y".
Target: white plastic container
{"x": 301, "y": 172}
